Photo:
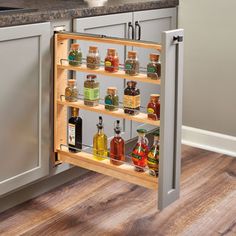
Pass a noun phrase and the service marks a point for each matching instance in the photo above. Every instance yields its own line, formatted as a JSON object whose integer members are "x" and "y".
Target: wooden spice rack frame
{"x": 171, "y": 105}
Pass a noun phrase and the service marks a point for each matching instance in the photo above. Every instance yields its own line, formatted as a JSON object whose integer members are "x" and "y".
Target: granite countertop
{"x": 48, "y": 10}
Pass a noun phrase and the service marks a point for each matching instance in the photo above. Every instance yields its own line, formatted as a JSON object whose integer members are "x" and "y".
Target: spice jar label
{"x": 151, "y": 69}
{"x": 91, "y": 93}
{"x": 150, "y": 111}
{"x": 108, "y": 63}
{"x": 71, "y": 134}
{"x": 131, "y": 101}
{"x": 128, "y": 66}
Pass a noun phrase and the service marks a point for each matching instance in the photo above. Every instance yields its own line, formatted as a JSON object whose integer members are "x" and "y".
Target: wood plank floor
{"x": 96, "y": 205}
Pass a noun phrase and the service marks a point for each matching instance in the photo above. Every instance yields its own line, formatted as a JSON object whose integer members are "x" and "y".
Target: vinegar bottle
{"x": 153, "y": 155}
{"x": 75, "y": 131}
{"x": 100, "y": 142}
{"x": 140, "y": 151}
{"x": 117, "y": 146}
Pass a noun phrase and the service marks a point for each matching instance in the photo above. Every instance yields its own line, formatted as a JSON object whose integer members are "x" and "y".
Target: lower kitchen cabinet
{"x": 24, "y": 104}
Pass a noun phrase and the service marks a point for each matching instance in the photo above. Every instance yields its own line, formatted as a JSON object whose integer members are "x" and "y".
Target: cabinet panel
{"x": 152, "y": 23}
{"x": 111, "y": 25}
{"x": 24, "y": 104}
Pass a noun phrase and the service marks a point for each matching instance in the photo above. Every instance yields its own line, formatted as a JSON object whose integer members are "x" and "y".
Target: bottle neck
{"x": 156, "y": 141}
{"x": 100, "y": 131}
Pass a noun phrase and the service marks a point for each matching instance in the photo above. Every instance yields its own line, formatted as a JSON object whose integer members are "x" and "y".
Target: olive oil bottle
{"x": 75, "y": 131}
{"x": 100, "y": 142}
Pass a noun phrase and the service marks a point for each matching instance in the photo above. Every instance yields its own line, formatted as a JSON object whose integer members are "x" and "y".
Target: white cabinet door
{"x": 24, "y": 104}
{"x": 152, "y": 23}
{"x": 109, "y": 25}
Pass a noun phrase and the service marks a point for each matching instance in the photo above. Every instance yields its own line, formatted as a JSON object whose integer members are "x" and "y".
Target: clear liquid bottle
{"x": 117, "y": 146}
{"x": 153, "y": 155}
{"x": 140, "y": 151}
{"x": 100, "y": 142}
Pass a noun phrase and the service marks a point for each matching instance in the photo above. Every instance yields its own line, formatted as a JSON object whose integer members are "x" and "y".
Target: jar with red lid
{"x": 111, "y": 63}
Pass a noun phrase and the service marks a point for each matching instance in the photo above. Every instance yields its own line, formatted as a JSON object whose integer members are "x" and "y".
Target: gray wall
{"x": 209, "y": 99}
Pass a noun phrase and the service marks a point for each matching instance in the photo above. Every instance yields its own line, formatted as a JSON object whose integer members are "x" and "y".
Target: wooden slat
{"x": 98, "y": 39}
{"x": 119, "y": 74}
{"x": 124, "y": 172}
{"x": 141, "y": 117}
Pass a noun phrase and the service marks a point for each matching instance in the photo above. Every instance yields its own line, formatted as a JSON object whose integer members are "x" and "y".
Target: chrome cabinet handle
{"x": 132, "y": 30}
{"x": 137, "y": 27}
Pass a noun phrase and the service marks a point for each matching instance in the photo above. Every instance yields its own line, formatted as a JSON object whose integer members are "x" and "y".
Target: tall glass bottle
{"x": 100, "y": 142}
{"x": 117, "y": 146}
{"x": 140, "y": 151}
{"x": 75, "y": 131}
{"x": 153, "y": 155}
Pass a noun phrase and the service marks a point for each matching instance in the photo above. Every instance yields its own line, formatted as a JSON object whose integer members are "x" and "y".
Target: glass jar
{"x": 154, "y": 67}
{"x": 153, "y": 107}
{"x": 131, "y": 99}
{"x": 93, "y": 58}
{"x": 153, "y": 155}
{"x": 71, "y": 91}
{"x": 111, "y": 99}
{"x": 140, "y": 151}
{"x": 75, "y": 55}
{"x": 132, "y": 64}
{"x": 111, "y": 63}
{"x": 91, "y": 91}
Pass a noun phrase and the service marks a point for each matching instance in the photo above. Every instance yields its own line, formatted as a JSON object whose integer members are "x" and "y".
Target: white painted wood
{"x": 211, "y": 141}
{"x": 109, "y": 25}
{"x": 171, "y": 119}
{"x": 24, "y": 104}
{"x": 153, "y": 23}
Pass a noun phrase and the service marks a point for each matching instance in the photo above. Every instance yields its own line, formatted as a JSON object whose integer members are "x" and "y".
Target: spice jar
{"x": 153, "y": 107}
{"x": 93, "y": 58}
{"x": 91, "y": 91}
{"x": 131, "y": 99}
{"x": 154, "y": 67}
{"x": 132, "y": 64}
{"x": 111, "y": 99}
{"x": 75, "y": 55}
{"x": 111, "y": 61}
{"x": 71, "y": 92}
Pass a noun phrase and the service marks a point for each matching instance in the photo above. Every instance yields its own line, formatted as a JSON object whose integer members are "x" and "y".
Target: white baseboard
{"x": 208, "y": 140}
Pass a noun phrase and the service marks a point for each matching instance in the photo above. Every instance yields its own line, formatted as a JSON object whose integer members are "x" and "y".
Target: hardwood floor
{"x": 97, "y": 205}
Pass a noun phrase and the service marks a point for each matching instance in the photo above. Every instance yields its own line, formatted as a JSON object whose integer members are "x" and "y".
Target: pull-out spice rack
{"x": 170, "y": 84}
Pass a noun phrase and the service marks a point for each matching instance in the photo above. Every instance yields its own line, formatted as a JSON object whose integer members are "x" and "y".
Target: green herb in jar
{"x": 111, "y": 99}
{"x": 154, "y": 67}
{"x": 132, "y": 64}
{"x": 71, "y": 92}
{"x": 75, "y": 55}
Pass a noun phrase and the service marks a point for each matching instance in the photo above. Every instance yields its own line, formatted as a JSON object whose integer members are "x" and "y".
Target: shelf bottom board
{"x": 123, "y": 172}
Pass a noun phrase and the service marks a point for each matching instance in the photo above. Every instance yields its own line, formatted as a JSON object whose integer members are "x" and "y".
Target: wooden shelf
{"x": 124, "y": 172}
{"x": 119, "y": 74}
{"x": 112, "y": 40}
{"x": 141, "y": 117}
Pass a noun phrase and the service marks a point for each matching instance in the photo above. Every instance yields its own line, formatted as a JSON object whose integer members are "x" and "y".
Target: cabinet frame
{"x": 171, "y": 110}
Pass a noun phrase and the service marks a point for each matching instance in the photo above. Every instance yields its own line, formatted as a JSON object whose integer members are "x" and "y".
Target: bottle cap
{"x": 132, "y": 54}
{"x": 129, "y": 83}
{"x": 71, "y": 81}
{"x": 74, "y": 111}
{"x": 142, "y": 131}
{"x": 154, "y": 57}
{"x": 111, "y": 90}
{"x": 93, "y": 49}
{"x": 133, "y": 83}
{"x": 74, "y": 46}
{"x": 117, "y": 128}
{"x": 91, "y": 76}
{"x": 154, "y": 96}
{"x": 111, "y": 51}
{"x": 100, "y": 123}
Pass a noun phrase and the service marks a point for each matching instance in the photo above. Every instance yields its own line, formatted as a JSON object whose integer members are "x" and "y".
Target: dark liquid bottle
{"x": 131, "y": 99}
{"x": 75, "y": 131}
{"x": 117, "y": 146}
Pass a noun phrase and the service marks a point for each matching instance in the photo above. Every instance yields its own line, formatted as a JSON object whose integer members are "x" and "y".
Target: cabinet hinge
{"x": 59, "y": 28}
{"x": 178, "y": 39}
